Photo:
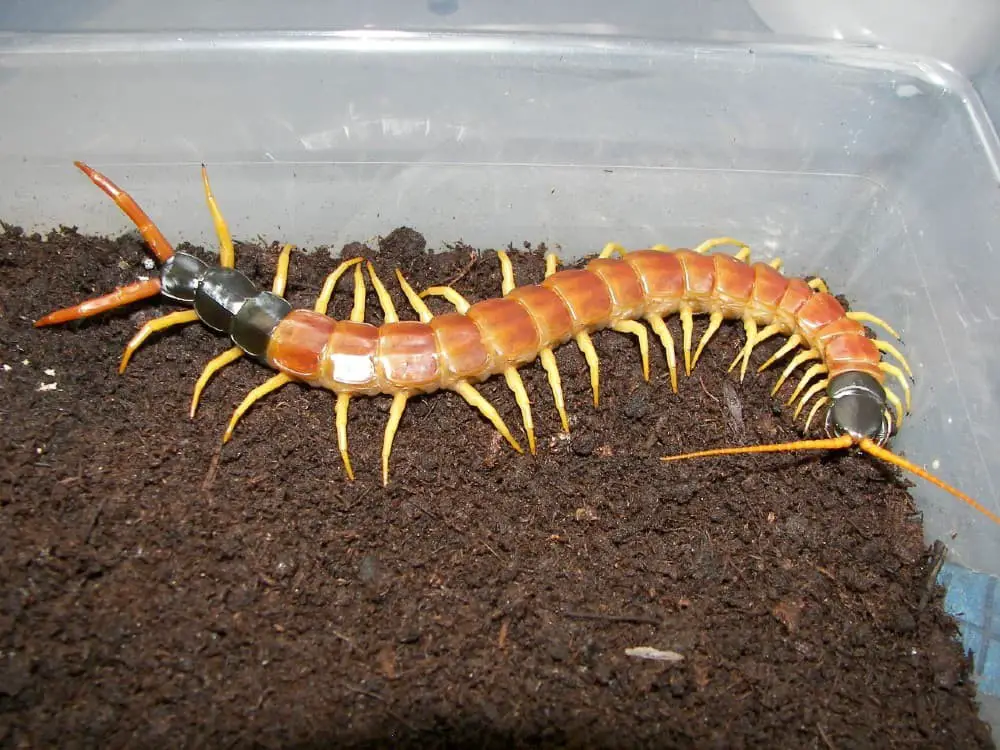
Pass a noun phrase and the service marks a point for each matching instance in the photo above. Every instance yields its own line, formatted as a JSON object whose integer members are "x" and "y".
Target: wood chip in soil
{"x": 161, "y": 590}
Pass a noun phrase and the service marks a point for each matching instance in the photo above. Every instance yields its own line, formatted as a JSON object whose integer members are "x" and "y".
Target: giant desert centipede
{"x": 456, "y": 351}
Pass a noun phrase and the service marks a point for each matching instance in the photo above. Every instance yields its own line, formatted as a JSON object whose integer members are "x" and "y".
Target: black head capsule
{"x": 858, "y": 408}
{"x": 220, "y": 295}
{"x": 180, "y": 276}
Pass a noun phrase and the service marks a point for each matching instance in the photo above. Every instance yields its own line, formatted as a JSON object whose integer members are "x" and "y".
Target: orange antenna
{"x": 844, "y": 441}
{"x": 118, "y": 298}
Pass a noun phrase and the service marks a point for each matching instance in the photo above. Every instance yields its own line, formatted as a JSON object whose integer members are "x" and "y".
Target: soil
{"x": 160, "y": 590}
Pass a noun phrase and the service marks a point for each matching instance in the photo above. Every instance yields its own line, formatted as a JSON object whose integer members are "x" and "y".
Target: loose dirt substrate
{"x": 161, "y": 592}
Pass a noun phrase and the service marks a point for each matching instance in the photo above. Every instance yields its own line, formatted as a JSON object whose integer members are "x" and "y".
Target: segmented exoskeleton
{"x": 455, "y": 351}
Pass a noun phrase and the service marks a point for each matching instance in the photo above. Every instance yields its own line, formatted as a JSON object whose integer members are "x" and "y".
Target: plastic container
{"x": 878, "y": 172}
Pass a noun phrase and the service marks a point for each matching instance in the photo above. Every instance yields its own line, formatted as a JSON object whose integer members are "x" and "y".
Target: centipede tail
{"x": 631, "y": 292}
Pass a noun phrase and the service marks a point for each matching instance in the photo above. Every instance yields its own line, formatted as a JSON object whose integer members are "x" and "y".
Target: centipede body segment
{"x": 631, "y": 292}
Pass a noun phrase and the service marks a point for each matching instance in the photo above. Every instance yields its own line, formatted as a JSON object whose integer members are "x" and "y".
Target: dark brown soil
{"x": 159, "y": 591}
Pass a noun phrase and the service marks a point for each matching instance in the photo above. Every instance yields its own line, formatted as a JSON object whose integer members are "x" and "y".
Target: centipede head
{"x": 858, "y": 417}
{"x": 858, "y": 408}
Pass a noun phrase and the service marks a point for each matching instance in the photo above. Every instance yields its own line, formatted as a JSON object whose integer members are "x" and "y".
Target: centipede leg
{"x": 475, "y": 398}
{"x": 799, "y": 358}
{"x": 418, "y": 305}
{"x": 714, "y": 322}
{"x": 548, "y": 358}
{"x": 661, "y": 330}
{"x": 815, "y": 388}
{"x": 885, "y": 346}
{"x": 157, "y": 324}
{"x": 863, "y": 317}
{"x": 687, "y": 328}
{"x": 630, "y": 326}
{"x": 817, "y": 369}
{"x": 340, "y": 412}
{"x": 455, "y": 298}
{"x": 750, "y": 327}
{"x": 512, "y": 376}
{"x": 707, "y": 245}
{"x": 395, "y": 415}
{"x": 793, "y": 341}
{"x": 590, "y": 354}
{"x": 255, "y": 395}
{"x": 610, "y": 249}
{"x": 900, "y": 377}
{"x": 388, "y": 308}
{"x": 357, "y": 316}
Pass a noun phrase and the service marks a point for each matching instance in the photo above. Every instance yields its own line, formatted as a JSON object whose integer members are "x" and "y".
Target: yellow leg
{"x": 474, "y": 398}
{"x": 816, "y": 408}
{"x": 516, "y": 385}
{"x": 637, "y": 330}
{"x": 884, "y": 346}
{"x": 590, "y": 354}
{"x": 395, "y": 414}
{"x": 227, "y": 254}
{"x": 817, "y": 369}
{"x": 357, "y": 316}
{"x": 863, "y": 317}
{"x": 687, "y": 329}
{"x": 551, "y": 263}
{"x": 776, "y": 264}
{"x": 900, "y": 377}
{"x": 226, "y": 358}
{"x": 256, "y": 394}
{"x": 418, "y": 305}
{"x": 661, "y": 330}
{"x": 819, "y": 285}
{"x": 555, "y": 383}
{"x": 388, "y": 309}
{"x": 743, "y": 254}
{"x": 507, "y": 272}
{"x": 610, "y": 249}
{"x": 460, "y": 303}
{"x": 799, "y": 358}
{"x": 707, "y": 245}
{"x": 815, "y": 388}
{"x": 231, "y": 355}
{"x": 793, "y": 341}
{"x": 714, "y": 321}
{"x": 340, "y": 413}
{"x": 153, "y": 326}
{"x": 322, "y": 303}
{"x": 661, "y": 248}
{"x": 750, "y": 327}
{"x": 893, "y": 399}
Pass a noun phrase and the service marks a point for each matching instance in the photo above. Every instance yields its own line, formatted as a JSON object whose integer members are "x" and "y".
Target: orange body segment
{"x": 852, "y": 353}
{"x": 407, "y": 357}
{"x": 550, "y": 315}
{"x": 818, "y": 311}
{"x": 699, "y": 276}
{"x": 768, "y": 288}
{"x": 585, "y": 295}
{"x": 733, "y": 285}
{"x": 463, "y": 353}
{"x": 508, "y": 330}
{"x": 349, "y": 358}
{"x": 662, "y": 279}
{"x": 297, "y": 344}
{"x": 627, "y": 297}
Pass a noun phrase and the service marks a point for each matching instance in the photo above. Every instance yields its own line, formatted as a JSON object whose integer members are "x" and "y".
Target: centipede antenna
{"x": 872, "y": 449}
{"x": 159, "y": 244}
{"x": 844, "y": 441}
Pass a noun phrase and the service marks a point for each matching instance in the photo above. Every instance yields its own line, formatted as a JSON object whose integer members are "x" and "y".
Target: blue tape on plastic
{"x": 971, "y": 598}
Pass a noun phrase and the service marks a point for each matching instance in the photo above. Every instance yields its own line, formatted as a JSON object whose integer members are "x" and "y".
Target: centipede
{"x": 849, "y": 378}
